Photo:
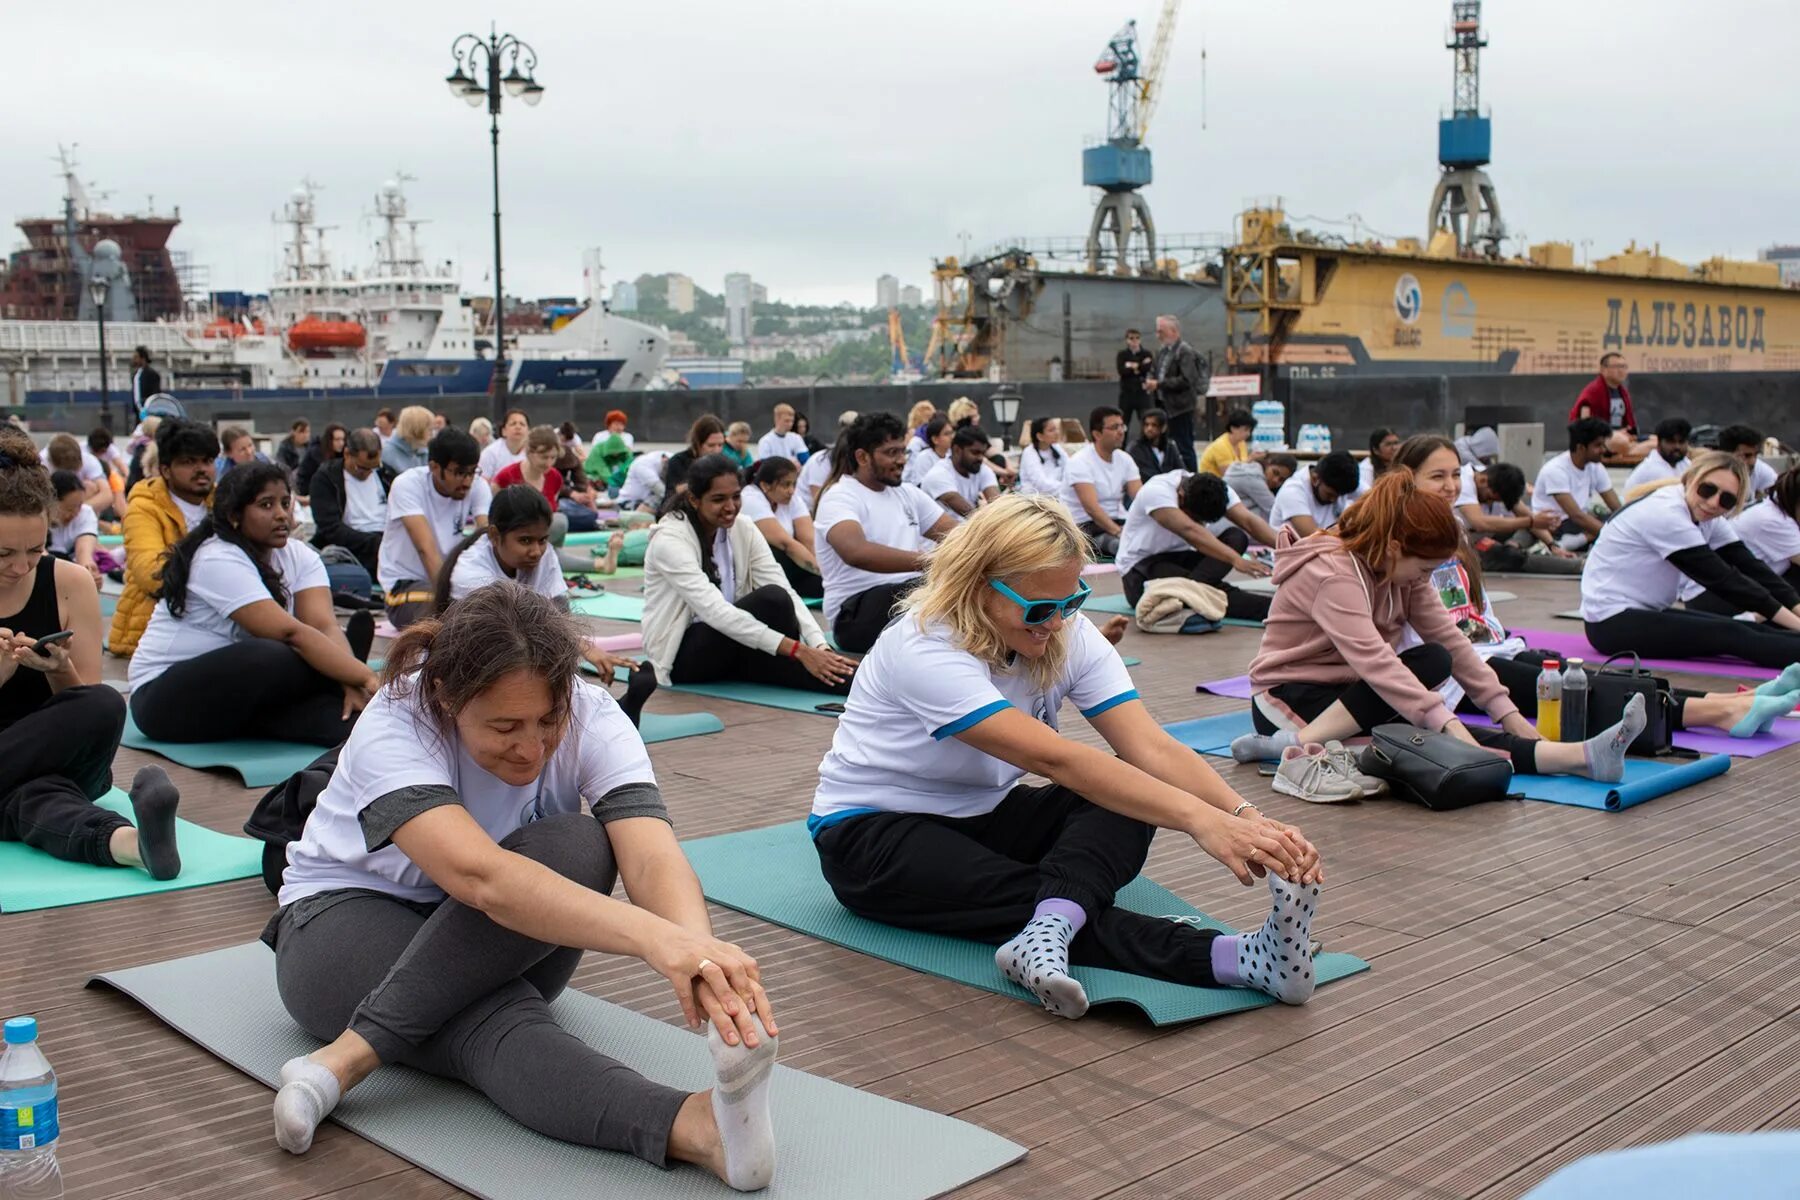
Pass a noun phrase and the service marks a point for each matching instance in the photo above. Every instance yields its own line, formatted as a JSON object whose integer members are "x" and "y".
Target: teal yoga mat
{"x": 603, "y": 579}
{"x": 1116, "y": 605}
{"x": 773, "y": 874}
{"x": 666, "y": 727}
{"x": 832, "y": 1141}
{"x": 259, "y": 764}
{"x": 631, "y": 554}
{"x": 31, "y": 879}
{"x": 609, "y": 606}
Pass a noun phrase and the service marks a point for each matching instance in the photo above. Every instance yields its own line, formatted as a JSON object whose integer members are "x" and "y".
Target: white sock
{"x": 1038, "y": 961}
{"x": 308, "y": 1093}
{"x": 740, "y": 1104}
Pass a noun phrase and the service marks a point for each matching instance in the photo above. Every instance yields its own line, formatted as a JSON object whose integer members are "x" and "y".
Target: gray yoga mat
{"x": 832, "y": 1141}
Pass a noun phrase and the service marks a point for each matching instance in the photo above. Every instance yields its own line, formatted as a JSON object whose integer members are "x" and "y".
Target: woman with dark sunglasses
{"x": 1677, "y": 534}
{"x": 920, "y": 818}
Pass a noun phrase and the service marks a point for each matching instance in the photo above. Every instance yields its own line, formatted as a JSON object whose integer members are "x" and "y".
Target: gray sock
{"x": 1263, "y": 747}
{"x": 1605, "y": 751}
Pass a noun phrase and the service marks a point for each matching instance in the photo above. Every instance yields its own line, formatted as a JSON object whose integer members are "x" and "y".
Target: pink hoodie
{"x": 1333, "y": 621}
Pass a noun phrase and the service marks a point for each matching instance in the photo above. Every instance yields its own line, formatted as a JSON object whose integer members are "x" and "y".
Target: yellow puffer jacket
{"x": 153, "y": 523}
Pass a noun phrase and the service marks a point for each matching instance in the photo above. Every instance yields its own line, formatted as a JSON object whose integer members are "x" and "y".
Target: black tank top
{"x": 27, "y": 690}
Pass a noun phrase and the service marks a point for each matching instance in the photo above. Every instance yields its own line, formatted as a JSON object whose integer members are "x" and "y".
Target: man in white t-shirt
{"x": 642, "y": 490}
{"x": 1317, "y": 495}
{"x": 428, "y": 508}
{"x": 962, "y": 478}
{"x": 1668, "y": 460}
{"x": 1102, "y": 481}
{"x": 1568, "y": 483}
{"x": 1490, "y": 503}
{"x": 781, "y": 441}
{"x": 350, "y": 499}
{"x": 870, "y": 533}
{"x": 1746, "y": 444}
{"x": 1187, "y": 525}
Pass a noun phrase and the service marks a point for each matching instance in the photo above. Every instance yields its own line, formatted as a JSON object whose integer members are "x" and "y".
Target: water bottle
{"x": 1549, "y": 698}
{"x": 1575, "y": 702}
{"x": 28, "y": 1125}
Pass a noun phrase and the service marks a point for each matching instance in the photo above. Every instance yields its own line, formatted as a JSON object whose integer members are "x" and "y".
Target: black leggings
{"x": 55, "y": 761}
{"x": 1430, "y": 665}
{"x": 707, "y": 656}
{"x": 1712, "y": 602}
{"x": 251, "y": 689}
{"x": 1191, "y": 564}
{"x": 982, "y": 877}
{"x": 809, "y": 585}
{"x": 864, "y": 615}
{"x": 1660, "y": 632}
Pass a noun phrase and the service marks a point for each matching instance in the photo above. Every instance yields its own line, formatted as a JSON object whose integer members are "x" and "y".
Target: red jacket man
{"x": 1596, "y": 399}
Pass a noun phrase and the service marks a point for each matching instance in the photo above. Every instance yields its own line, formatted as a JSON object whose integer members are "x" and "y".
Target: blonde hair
{"x": 414, "y": 424}
{"x": 920, "y": 413}
{"x": 962, "y": 407}
{"x": 1015, "y": 535}
{"x": 482, "y": 430}
{"x": 737, "y": 427}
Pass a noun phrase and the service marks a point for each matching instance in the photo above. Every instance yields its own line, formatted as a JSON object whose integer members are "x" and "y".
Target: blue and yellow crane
{"x": 1120, "y": 165}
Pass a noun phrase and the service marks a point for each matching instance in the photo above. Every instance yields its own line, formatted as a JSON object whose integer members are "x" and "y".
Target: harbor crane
{"x": 1120, "y": 166}
{"x": 1464, "y": 202}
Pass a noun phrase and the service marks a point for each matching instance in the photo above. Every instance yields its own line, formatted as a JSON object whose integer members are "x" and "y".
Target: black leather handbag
{"x": 1610, "y": 688}
{"x": 1435, "y": 769}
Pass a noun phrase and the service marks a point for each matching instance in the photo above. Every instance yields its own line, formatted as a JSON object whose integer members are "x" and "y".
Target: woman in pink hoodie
{"x": 1329, "y": 669}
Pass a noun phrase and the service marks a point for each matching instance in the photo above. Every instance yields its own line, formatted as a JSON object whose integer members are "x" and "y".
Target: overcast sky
{"x": 817, "y": 145}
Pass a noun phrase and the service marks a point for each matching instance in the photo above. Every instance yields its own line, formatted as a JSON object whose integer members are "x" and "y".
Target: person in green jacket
{"x": 611, "y": 454}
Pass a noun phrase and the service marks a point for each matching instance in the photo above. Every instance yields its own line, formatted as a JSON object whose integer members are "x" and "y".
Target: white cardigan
{"x": 677, "y": 592}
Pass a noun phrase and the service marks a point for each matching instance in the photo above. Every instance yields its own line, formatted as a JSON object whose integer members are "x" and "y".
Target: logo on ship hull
{"x": 1408, "y": 299}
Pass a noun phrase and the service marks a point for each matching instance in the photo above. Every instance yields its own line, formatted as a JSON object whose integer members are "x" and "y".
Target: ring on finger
{"x": 704, "y": 963}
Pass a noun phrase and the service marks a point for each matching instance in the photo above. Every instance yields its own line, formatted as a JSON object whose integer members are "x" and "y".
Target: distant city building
{"x": 739, "y": 300}
{"x": 759, "y": 294}
{"x": 1788, "y": 258}
{"x": 911, "y": 297}
{"x": 681, "y": 293}
{"x": 624, "y": 297}
{"x": 887, "y": 292}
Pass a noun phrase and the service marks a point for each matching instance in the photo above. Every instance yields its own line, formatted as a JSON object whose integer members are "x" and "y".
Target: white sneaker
{"x": 1349, "y": 764}
{"x": 1306, "y": 773}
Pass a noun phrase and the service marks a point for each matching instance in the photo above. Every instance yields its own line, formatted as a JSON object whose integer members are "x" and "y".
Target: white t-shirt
{"x": 1762, "y": 478}
{"x": 781, "y": 445}
{"x": 1043, "y": 475}
{"x": 1467, "y": 494}
{"x": 91, "y": 468}
{"x": 1296, "y": 499}
{"x": 477, "y": 567}
{"x": 757, "y": 508}
{"x": 896, "y": 516}
{"x": 895, "y": 748}
{"x": 1109, "y": 479}
{"x": 496, "y": 458}
{"x": 1144, "y": 536}
{"x": 221, "y": 580}
{"x": 1365, "y": 475}
{"x": 919, "y": 465}
{"x": 1771, "y": 534}
{"x": 1561, "y": 477}
{"x": 64, "y": 537}
{"x": 193, "y": 514}
{"x": 394, "y": 748}
{"x": 365, "y": 504}
{"x": 414, "y": 495}
{"x": 945, "y": 478}
{"x": 813, "y": 474}
{"x": 1628, "y": 567}
{"x": 1654, "y": 469}
{"x": 643, "y": 481}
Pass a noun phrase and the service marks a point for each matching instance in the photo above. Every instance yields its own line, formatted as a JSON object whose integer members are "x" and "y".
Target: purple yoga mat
{"x": 1237, "y": 687}
{"x": 1565, "y": 643}
{"x": 1784, "y": 733}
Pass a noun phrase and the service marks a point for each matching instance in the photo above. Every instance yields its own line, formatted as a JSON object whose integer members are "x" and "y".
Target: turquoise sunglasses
{"x": 1039, "y": 611}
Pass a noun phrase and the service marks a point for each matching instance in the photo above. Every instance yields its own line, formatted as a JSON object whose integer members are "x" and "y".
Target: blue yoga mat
{"x": 1212, "y": 735}
{"x": 773, "y": 874}
{"x": 259, "y": 764}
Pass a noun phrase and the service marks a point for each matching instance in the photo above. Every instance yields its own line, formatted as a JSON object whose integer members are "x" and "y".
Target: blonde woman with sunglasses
{"x": 921, "y": 819}
{"x": 1677, "y": 533}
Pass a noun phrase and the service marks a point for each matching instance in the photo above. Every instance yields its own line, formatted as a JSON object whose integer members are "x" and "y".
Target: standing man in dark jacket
{"x": 1134, "y": 369}
{"x": 290, "y": 451}
{"x": 1177, "y": 381}
{"x": 349, "y": 499}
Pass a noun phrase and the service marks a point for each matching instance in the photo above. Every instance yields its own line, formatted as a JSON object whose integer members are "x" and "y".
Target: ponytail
{"x": 514, "y": 507}
{"x": 1395, "y": 518}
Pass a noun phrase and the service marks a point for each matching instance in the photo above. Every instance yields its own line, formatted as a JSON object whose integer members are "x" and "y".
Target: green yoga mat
{"x": 774, "y": 874}
{"x": 631, "y": 554}
{"x": 1116, "y": 605}
{"x": 259, "y": 764}
{"x": 666, "y": 727}
{"x": 608, "y": 605}
{"x": 603, "y": 579}
{"x": 31, "y": 879}
{"x": 832, "y": 1141}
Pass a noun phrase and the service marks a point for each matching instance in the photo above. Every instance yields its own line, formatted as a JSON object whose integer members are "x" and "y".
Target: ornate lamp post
{"x": 98, "y": 287}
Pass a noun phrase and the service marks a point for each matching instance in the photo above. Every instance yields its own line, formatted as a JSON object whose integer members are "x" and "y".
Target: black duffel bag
{"x": 1435, "y": 769}
{"x": 1611, "y": 688}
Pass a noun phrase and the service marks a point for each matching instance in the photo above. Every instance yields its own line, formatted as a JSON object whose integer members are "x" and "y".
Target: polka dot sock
{"x": 1038, "y": 961}
{"x": 1276, "y": 959}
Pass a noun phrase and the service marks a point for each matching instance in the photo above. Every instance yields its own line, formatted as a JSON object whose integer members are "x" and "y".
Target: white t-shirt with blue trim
{"x": 895, "y": 749}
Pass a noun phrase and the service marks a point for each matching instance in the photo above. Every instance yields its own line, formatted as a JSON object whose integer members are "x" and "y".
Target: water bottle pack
{"x": 1270, "y": 433}
{"x": 1314, "y": 439}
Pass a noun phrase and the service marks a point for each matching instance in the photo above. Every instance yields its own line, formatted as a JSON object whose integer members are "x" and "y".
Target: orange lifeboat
{"x": 315, "y": 333}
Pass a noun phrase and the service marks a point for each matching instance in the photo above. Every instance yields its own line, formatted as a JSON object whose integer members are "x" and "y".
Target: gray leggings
{"x": 442, "y": 988}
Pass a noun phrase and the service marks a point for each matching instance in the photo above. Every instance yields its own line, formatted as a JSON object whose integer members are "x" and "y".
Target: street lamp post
{"x": 473, "y": 54}
{"x": 98, "y": 287}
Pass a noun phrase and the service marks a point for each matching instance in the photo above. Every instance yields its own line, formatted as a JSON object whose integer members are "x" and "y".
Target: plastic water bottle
{"x": 1575, "y": 702}
{"x": 1549, "y": 698}
{"x": 28, "y": 1125}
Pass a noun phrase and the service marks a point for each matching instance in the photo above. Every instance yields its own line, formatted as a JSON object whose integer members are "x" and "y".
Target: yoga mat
{"x": 1100, "y": 568}
{"x": 1237, "y": 687}
{"x": 1212, "y": 735}
{"x": 31, "y": 879}
{"x": 631, "y": 554}
{"x": 259, "y": 764}
{"x": 1117, "y": 605}
{"x": 602, "y": 578}
{"x": 1573, "y": 614}
{"x": 1565, "y": 643}
{"x": 618, "y": 643}
{"x": 773, "y": 874}
{"x": 666, "y": 727}
{"x": 111, "y": 539}
{"x": 609, "y": 606}
{"x": 831, "y": 1141}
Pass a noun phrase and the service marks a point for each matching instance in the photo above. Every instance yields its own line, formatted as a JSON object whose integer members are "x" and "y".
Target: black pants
{"x": 809, "y": 585}
{"x": 1134, "y": 401}
{"x": 251, "y": 689}
{"x": 864, "y": 615}
{"x": 411, "y": 601}
{"x": 1520, "y": 675}
{"x": 1659, "y": 632}
{"x": 1103, "y": 544}
{"x": 1181, "y": 436}
{"x": 982, "y": 877}
{"x": 1430, "y": 665}
{"x": 708, "y": 656}
{"x": 54, "y": 763}
{"x": 1712, "y": 602}
{"x": 1191, "y": 564}
{"x": 1513, "y": 554}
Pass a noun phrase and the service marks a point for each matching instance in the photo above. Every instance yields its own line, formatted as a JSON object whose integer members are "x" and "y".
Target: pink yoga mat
{"x": 1784, "y": 733}
{"x": 617, "y": 643}
{"x": 1237, "y": 687}
{"x": 1100, "y": 569}
{"x": 1565, "y": 643}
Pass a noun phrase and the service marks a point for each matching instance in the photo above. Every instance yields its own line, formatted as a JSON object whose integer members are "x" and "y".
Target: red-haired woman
{"x": 1329, "y": 669}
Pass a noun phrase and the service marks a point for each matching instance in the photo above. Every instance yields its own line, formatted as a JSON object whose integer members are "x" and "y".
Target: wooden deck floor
{"x": 1547, "y": 982}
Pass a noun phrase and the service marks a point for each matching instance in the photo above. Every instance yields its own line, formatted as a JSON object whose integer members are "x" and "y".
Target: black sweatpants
{"x": 1430, "y": 665}
{"x": 1659, "y": 632}
{"x": 803, "y": 581}
{"x": 1103, "y": 544}
{"x": 1191, "y": 564}
{"x": 982, "y": 877}
{"x": 1181, "y": 437}
{"x": 251, "y": 689}
{"x": 708, "y": 656}
{"x": 1520, "y": 675}
{"x": 445, "y": 989}
{"x": 863, "y": 616}
{"x": 54, "y": 763}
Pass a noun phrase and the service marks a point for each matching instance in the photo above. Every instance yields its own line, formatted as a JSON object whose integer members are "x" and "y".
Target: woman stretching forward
{"x": 920, "y": 818}
{"x": 785, "y": 523}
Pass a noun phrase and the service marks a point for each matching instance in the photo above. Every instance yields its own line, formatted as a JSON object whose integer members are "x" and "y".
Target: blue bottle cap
{"x": 20, "y": 1030}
